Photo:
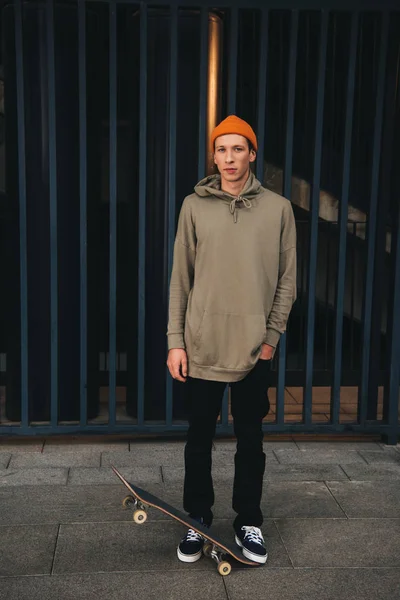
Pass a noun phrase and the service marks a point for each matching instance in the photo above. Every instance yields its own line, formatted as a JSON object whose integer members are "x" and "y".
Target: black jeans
{"x": 249, "y": 405}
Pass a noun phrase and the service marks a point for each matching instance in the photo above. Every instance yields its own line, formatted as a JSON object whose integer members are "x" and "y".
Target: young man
{"x": 232, "y": 288}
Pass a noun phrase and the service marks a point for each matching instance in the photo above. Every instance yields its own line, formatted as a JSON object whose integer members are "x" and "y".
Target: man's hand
{"x": 266, "y": 352}
{"x": 177, "y": 358}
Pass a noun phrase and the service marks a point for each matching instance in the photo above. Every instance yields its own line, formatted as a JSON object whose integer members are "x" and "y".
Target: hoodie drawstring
{"x": 233, "y": 207}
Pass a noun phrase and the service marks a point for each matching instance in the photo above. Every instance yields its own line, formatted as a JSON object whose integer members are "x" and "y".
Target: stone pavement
{"x": 332, "y": 523}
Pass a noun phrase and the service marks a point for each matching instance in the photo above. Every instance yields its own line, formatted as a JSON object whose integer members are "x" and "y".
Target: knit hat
{"x": 233, "y": 124}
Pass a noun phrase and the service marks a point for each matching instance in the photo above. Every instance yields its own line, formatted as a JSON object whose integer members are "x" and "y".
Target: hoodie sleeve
{"x": 286, "y": 291}
{"x": 182, "y": 276}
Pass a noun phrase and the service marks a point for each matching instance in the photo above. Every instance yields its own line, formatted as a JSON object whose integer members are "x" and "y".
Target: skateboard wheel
{"x": 140, "y": 516}
{"x": 128, "y": 501}
{"x": 207, "y": 548}
{"x": 224, "y": 568}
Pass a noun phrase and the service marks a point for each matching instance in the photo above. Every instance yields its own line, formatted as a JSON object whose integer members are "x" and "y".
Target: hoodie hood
{"x": 211, "y": 186}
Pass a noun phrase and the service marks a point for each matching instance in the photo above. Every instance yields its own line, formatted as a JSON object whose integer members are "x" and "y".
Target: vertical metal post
{"x": 83, "y": 208}
{"x": 262, "y": 93}
{"x": 142, "y": 211}
{"x": 53, "y": 213}
{"x": 314, "y": 209}
{"x": 112, "y": 366}
{"x": 172, "y": 171}
{"x": 369, "y": 280}
{"x": 22, "y": 213}
{"x": 203, "y": 92}
{"x": 287, "y": 192}
{"x": 343, "y": 216}
{"x": 233, "y": 54}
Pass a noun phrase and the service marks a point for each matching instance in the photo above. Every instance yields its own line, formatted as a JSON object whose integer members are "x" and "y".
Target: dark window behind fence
{"x": 105, "y": 111}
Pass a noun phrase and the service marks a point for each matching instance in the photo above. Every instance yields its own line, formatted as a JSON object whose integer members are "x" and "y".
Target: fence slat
{"x": 142, "y": 213}
{"x": 53, "y": 212}
{"x": 314, "y": 209}
{"x": 262, "y": 93}
{"x": 83, "y": 208}
{"x": 203, "y": 92}
{"x": 233, "y": 55}
{"x": 343, "y": 216}
{"x": 112, "y": 362}
{"x": 22, "y": 212}
{"x": 287, "y": 192}
{"x": 172, "y": 172}
{"x": 371, "y": 225}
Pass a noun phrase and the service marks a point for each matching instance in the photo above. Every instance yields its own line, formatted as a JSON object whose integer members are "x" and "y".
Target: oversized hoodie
{"x": 233, "y": 279}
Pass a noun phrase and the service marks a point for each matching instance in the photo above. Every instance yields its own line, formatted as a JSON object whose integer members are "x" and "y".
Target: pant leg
{"x": 250, "y": 404}
{"x": 204, "y": 400}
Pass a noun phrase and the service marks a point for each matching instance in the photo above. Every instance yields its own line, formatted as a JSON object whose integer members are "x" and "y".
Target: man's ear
{"x": 253, "y": 155}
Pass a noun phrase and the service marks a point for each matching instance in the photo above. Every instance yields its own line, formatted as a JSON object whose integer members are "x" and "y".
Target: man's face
{"x": 233, "y": 157}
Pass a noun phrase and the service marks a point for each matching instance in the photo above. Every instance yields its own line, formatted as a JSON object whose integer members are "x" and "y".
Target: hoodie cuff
{"x": 175, "y": 340}
{"x": 272, "y": 337}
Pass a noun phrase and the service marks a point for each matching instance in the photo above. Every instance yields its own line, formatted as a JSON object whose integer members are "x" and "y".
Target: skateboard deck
{"x": 213, "y": 548}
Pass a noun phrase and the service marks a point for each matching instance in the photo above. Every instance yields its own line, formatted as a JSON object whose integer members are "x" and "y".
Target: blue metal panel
{"x": 53, "y": 212}
{"x": 172, "y": 172}
{"x": 113, "y": 212}
{"x": 262, "y": 93}
{"x": 233, "y": 54}
{"x": 142, "y": 211}
{"x": 287, "y": 192}
{"x": 343, "y": 213}
{"x": 315, "y": 191}
{"x": 341, "y": 5}
{"x": 83, "y": 209}
{"x": 368, "y": 293}
{"x": 22, "y": 213}
{"x": 203, "y": 91}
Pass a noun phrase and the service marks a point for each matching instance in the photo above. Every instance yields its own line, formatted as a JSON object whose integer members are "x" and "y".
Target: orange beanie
{"x": 233, "y": 124}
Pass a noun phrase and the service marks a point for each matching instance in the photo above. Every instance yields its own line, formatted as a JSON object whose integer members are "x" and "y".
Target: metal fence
{"x": 107, "y": 109}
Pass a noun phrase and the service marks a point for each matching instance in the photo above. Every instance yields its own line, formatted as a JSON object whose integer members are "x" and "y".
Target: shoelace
{"x": 253, "y": 534}
{"x": 193, "y": 536}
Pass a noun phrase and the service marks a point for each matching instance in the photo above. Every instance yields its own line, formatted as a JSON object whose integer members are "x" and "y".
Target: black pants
{"x": 249, "y": 405}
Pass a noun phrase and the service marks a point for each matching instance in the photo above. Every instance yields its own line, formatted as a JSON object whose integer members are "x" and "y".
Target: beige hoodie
{"x": 233, "y": 280}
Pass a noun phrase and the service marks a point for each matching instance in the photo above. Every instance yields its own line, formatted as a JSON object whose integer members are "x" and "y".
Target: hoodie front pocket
{"x": 229, "y": 341}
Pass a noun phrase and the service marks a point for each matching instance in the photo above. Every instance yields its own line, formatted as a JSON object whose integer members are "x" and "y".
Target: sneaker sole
{"x": 250, "y": 555}
{"x": 189, "y": 558}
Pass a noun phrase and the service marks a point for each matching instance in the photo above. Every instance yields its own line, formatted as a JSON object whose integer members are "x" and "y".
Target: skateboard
{"x": 213, "y": 548}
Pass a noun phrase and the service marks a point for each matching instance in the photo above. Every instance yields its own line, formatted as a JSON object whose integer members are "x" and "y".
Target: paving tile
{"x": 341, "y": 542}
{"x": 315, "y": 584}
{"x": 389, "y": 447}
{"x": 367, "y": 498}
{"x": 296, "y": 499}
{"x": 63, "y": 504}
{"x": 388, "y": 456}
{"x": 342, "y": 446}
{"x": 4, "y": 459}
{"x": 93, "y": 547}
{"x": 379, "y": 471}
{"x": 105, "y": 475}
{"x": 220, "y": 473}
{"x": 303, "y": 473}
{"x": 34, "y": 476}
{"x": 22, "y": 446}
{"x": 76, "y": 446}
{"x": 27, "y": 549}
{"x": 317, "y": 456}
{"x": 74, "y": 458}
{"x": 150, "y": 585}
{"x": 143, "y": 457}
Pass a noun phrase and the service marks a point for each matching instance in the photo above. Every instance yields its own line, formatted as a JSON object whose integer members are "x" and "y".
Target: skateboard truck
{"x": 212, "y": 551}
{"x": 139, "y": 509}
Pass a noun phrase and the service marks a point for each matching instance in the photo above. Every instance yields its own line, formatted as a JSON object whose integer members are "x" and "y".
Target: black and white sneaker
{"x": 251, "y": 541}
{"x": 191, "y": 547}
